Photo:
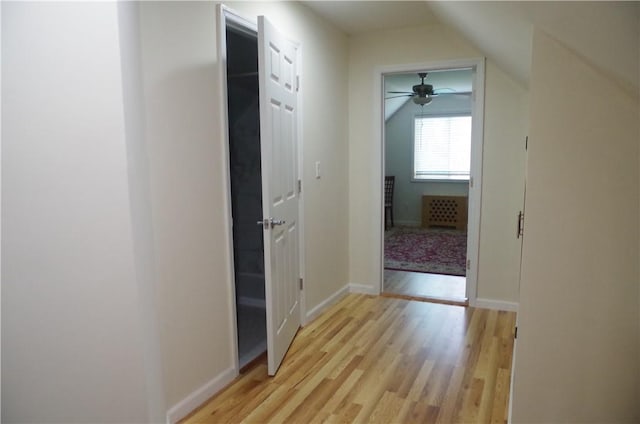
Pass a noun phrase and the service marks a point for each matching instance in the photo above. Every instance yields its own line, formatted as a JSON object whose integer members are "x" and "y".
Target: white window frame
{"x": 413, "y": 151}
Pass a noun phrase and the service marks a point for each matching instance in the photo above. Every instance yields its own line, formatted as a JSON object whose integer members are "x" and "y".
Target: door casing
{"x": 229, "y": 17}
{"x": 477, "y": 138}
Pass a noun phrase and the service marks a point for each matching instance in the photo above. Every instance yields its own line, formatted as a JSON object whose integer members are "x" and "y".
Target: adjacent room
{"x": 427, "y": 168}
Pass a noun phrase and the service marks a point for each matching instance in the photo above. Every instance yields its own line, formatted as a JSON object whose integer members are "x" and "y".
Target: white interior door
{"x": 278, "y": 110}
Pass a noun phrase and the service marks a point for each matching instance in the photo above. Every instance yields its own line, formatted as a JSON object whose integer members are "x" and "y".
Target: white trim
{"x": 225, "y": 14}
{"x": 511, "y": 384}
{"x": 475, "y": 192}
{"x": 237, "y": 21}
{"x": 477, "y": 134}
{"x": 408, "y": 223}
{"x": 1, "y": 216}
{"x": 363, "y": 288}
{"x": 200, "y": 396}
{"x": 252, "y": 301}
{"x": 440, "y": 180}
{"x": 301, "y": 197}
{"x": 323, "y": 306}
{"x": 513, "y": 376}
{"x": 228, "y": 16}
{"x": 378, "y": 156}
{"x": 499, "y": 305}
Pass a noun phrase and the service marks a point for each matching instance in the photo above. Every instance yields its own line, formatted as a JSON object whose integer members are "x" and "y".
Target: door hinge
{"x": 301, "y": 283}
{"x": 515, "y": 334}
{"x": 471, "y": 182}
{"x": 468, "y": 263}
{"x": 297, "y": 82}
{"x": 299, "y": 186}
{"x": 520, "y": 228}
{"x": 526, "y": 143}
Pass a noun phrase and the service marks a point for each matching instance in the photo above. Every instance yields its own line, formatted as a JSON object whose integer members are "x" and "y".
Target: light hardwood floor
{"x": 436, "y": 287}
{"x": 385, "y": 360}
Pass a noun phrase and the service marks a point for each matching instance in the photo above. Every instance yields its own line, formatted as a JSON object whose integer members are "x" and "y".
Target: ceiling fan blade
{"x": 402, "y": 95}
{"x": 401, "y": 92}
{"x": 454, "y": 93}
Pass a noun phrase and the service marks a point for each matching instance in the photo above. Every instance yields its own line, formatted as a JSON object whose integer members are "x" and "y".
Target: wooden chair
{"x": 389, "y": 182}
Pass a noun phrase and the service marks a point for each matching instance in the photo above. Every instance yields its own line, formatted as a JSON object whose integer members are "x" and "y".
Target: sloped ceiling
{"x": 495, "y": 29}
{"x": 605, "y": 34}
{"x": 447, "y": 82}
{"x": 356, "y": 17}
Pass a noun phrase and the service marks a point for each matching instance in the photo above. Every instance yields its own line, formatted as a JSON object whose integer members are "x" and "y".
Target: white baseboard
{"x": 364, "y": 289}
{"x": 335, "y": 297}
{"x": 252, "y": 301}
{"x": 199, "y": 396}
{"x": 499, "y": 305}
{"x": 513, "y": 368}
{"x": 408, "y": 223}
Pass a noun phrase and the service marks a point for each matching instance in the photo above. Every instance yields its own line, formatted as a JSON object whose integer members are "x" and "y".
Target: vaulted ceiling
{"x": 606, "y": 34}
{"x": 356, "y": 17}
{"x": 447, "y": 82}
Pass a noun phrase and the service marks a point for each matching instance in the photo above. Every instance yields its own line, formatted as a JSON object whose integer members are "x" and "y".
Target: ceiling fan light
{"x": 419, "y": 100}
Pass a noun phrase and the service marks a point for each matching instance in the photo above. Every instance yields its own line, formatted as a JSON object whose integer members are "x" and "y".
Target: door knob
{"x": 270, "y": 223}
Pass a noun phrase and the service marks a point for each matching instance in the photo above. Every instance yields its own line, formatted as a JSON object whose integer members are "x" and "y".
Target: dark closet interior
{"x": 246, "y": 192}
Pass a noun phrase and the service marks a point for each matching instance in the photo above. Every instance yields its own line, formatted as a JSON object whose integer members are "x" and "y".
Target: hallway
{"x": 383, "y": 360}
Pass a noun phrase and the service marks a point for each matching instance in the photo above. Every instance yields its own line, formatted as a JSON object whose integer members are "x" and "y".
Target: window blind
{"x": 442, "y": 147}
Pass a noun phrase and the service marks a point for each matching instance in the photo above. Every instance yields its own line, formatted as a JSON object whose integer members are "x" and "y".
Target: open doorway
{"x": 259, "y": 81}
{"x": 429, "y": 167}
{"x": 246, "y": 192}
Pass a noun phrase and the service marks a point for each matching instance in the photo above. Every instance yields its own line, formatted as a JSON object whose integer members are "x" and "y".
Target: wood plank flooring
{"x": 383, "y": 360}
{"x": 423, "y": 285}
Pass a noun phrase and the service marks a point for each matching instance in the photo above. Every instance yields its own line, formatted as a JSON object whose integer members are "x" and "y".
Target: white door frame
{"x": 477, "y": 139}
{"x": 227, "y": 16}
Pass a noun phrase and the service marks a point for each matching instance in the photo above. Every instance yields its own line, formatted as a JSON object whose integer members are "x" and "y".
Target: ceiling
{"x": 503, "y": 30}
{"x": 355, "y": 17}
{"x": 444, "y": 81}
{"x": 456, "y": 80}
{"x": 605, "y": 34}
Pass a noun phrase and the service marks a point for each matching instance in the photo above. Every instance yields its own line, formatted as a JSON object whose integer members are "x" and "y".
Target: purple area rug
{"x": 432, "y": 250}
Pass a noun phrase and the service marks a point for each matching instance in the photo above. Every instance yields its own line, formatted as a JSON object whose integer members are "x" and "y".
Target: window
{"x": 442, "y": 147}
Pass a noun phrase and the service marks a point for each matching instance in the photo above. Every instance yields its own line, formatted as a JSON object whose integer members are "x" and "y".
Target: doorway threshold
{"x": 430, "y": 299}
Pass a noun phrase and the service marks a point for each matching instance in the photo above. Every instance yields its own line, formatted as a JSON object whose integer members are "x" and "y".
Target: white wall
{"x": 187, "y": 178}
{"x": 325, "y": 79}
{"x": 116, "y": 280}
{"x": 578, "y": 344}
{"x": 506, "y": 125}
{"x": 503, "y": 30}
{"x": 503, "y": 98}
{"x": 140, "y": 198}
{"x": 72, "y": 339}
{"x": 398, "y": 158}
{"x": 182, "y": 110}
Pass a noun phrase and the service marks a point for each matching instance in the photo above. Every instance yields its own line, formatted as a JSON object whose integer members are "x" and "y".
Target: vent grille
{"x": 444, "y": 211}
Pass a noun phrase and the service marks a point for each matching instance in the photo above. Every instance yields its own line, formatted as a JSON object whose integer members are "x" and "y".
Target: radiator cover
{"x": 444, "y": 211}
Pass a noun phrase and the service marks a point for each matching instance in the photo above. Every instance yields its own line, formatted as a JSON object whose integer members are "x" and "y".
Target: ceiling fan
{"x": 422, "y": 93}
